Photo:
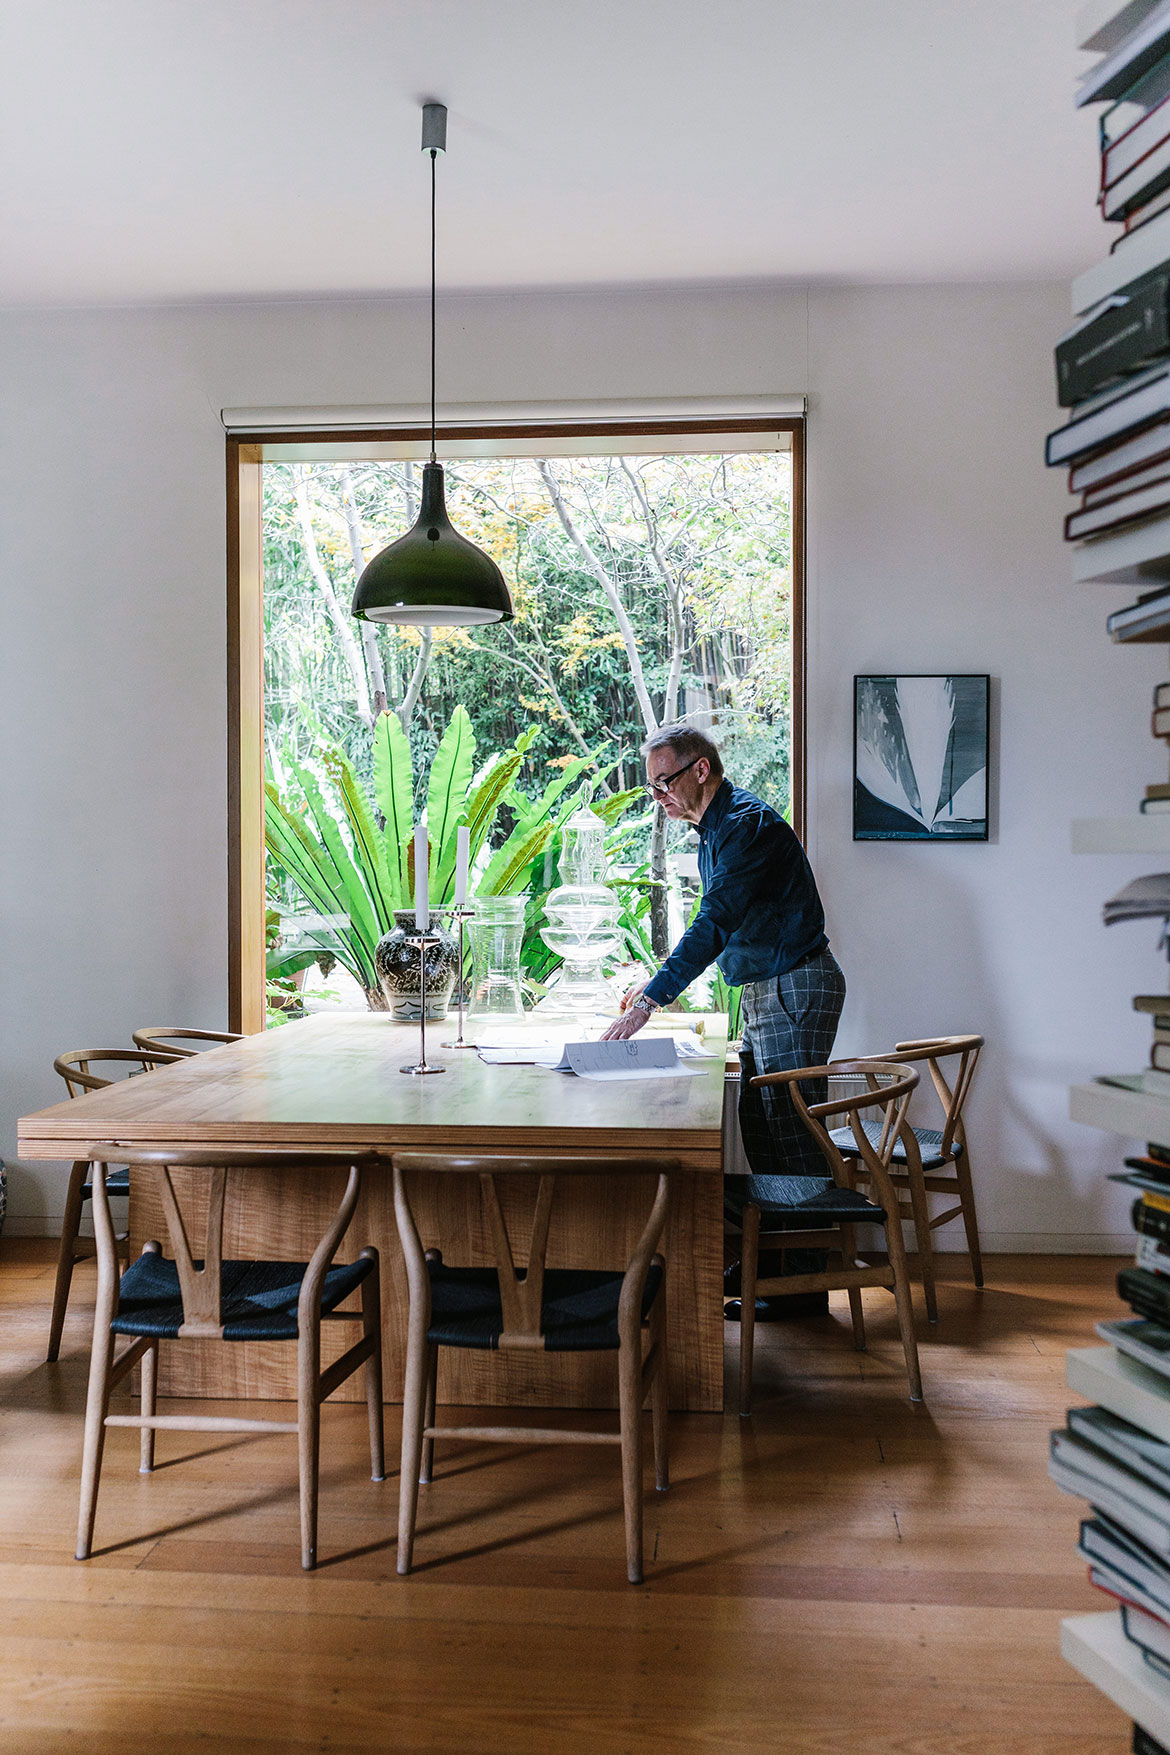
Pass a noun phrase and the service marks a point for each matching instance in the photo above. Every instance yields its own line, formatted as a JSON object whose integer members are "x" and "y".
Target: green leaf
{"x": 509, "y": 865}
{"x": 616, "y": 805}
{"x": 486, "y": 795}
{"x": 284, "y": 961}
{"x": 394, "y": 791}
{"x": 380, "y": 880}
{"x": 449, "y": 781}
{"x": 355, "y": 896}
{"x": 293, "y": 848}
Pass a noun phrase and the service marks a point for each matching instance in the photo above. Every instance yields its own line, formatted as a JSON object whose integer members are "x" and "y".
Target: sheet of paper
{"x": 519, "y": 1053}
{"x": 554, "y": 1055}
{"x": 653, "y": 1057}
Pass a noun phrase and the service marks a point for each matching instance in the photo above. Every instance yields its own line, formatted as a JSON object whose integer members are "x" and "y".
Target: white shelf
{"x": 1135, "y": 1115}
{"x": 1133, "y": 834}
{"x": 1125, "y": 1386}
{"x": 1096, "y": 1646}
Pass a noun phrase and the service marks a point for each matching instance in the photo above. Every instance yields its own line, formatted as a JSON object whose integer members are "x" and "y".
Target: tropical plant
{"x": 353, "y": 862}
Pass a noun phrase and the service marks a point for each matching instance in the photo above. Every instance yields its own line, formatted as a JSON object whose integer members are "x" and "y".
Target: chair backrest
{"x": 76, "y": 1067}
{"x": 200, "y": 1270}
{"x": 854, "y": 1088}
{"x": 522, "y": 1286}
{"x": 170, "y": 1040}
{"x": 953, "y": 1085}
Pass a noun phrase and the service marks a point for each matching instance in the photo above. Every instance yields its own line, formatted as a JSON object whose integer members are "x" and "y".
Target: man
{"x": 761, "y": 920}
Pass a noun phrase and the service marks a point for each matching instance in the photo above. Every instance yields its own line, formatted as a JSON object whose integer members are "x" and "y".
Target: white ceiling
{"x": 158, "y": 150}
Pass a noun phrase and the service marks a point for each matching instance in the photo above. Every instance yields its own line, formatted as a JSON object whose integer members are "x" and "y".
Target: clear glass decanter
{"x": 582, "y": 920}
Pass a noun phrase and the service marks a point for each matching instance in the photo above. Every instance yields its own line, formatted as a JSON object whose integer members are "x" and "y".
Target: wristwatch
{"x": 642, "y": 1004}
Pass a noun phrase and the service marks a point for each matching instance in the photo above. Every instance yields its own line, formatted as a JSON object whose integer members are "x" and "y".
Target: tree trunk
{"x": 342, "y": 622}
{"x": 353, "y": 524}
{"x": 659, "y": 912}
{"x": 414, "y": 687}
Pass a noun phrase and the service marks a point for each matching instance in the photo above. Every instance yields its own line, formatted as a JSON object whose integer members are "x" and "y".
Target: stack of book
{"x": 1158, "y": 1005}
{"x": 1157, "y": 799}
{"x": 1121, "y": 1467}
{"x": 1113, "y": 368}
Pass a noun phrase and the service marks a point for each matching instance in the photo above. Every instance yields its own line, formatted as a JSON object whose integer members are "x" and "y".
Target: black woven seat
{"x": 929, "y": 1144}
{"x": 799, "y": 1203}
{"x": 117, "y": 1182}
{"x": 579, "y": 1307}
{"x": 258, "y": 1300}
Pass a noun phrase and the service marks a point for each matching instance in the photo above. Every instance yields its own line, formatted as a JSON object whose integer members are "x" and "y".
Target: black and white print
{"x": 920, "y": 758}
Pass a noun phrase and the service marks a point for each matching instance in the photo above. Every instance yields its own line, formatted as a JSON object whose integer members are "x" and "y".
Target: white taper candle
{"x": 462, "y": 851}
{"x": 422, "y": 882}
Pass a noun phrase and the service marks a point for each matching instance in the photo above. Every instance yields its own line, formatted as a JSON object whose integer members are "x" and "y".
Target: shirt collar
{"x": 716, "y": 810}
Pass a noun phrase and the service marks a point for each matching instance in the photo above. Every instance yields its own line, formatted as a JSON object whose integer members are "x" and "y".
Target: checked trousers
{"x": 788, "y": 1022}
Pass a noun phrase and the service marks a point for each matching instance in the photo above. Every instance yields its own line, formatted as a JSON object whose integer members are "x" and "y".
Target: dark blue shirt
{"x": 760, "y": 914}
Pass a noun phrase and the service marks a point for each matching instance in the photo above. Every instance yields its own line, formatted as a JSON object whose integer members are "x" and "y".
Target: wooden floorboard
{"x": 844, "y": 1572}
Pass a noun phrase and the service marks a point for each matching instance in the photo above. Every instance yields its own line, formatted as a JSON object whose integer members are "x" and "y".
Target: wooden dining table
{"x": 334, "y": 1080}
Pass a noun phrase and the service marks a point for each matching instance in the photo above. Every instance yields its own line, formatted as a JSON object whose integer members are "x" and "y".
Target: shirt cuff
{"x": 659, "y": 990}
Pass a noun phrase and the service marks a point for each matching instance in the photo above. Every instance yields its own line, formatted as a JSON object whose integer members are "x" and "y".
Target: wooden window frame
{"x": 246, "y": 455}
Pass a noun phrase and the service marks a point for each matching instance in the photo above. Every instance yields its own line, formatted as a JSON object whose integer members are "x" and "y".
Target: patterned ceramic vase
{"x": 398, "y": 964}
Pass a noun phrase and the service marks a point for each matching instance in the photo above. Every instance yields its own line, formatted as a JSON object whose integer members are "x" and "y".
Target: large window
{"x": 653, "y": 578}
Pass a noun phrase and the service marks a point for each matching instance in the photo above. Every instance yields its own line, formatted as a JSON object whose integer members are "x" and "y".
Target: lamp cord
{"x": 434, "y": 155}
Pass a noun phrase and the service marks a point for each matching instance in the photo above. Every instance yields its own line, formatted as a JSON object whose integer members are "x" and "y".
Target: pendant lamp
{"x": 432, "y": 576}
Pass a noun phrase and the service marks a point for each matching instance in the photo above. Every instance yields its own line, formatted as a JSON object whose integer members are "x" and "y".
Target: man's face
{"x": 683, "y": 799}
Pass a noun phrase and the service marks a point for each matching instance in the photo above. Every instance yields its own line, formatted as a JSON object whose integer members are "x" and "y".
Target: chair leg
{"x": 427, "y": 1456}
{"x": 372, "y": 1331}
{"x": 309, "y": 1435}
{"x": 749, "y": 1273}
{"x": 149, "y": 1406}
{"x": 924, "y": 1239}
{"x": 630, "y": 1398}
{"x": 856, "y": 1307}
{"x": 905, "y": 1305}
{"x": 66, "y": 1256}
{"x": 414, "y": 1397}
{"x": 659, "y": 1394}
{"x": 970, "y": 1224}
{"x": 97, "y": 1404}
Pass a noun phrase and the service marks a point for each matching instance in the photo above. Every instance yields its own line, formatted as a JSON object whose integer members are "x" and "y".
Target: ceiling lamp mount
{"x": 432, "y": 576}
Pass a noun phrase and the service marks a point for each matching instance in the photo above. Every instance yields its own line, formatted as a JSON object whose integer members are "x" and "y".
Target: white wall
{"x": 933, "y": 545}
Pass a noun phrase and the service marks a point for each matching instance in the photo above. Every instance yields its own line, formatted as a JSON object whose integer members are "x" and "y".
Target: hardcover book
{"x": 1131, "y": 406}
{"x": 1129, "y": 334}
{"x": 1111, "y": 513}
{"x": 1150, "y": 612}
{"x": 1118, "y": 71}
{"x": 1146, "y": 449}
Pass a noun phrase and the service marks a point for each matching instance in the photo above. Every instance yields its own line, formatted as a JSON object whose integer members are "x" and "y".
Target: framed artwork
{"x": 920, "y": 758}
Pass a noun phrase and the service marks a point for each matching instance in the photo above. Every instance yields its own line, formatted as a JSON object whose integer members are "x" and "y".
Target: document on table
{"x": 554, "y": 1056}
{"x": 655, "y": 1057}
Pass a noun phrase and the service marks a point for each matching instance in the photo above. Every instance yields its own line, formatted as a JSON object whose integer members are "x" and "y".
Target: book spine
{"x": 1150, "y": 1216}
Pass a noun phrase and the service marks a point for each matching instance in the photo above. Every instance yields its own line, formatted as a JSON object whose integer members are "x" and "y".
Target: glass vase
{"x": 496, "y": 931}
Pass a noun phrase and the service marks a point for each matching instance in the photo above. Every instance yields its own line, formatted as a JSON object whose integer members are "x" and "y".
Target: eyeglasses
{"x": 660, "y": 787}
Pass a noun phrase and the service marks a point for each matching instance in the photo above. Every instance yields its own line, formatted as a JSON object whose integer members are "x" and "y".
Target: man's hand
{"x": 633, "y": 993}
{"x": 630, "y": 1022}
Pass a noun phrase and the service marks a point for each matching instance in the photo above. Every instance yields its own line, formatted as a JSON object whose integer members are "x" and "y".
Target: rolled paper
{"x": 422, "y": 906}
{"x": 462, "y": 850}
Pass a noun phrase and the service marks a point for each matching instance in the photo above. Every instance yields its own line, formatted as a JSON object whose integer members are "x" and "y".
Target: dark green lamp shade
{"x": 432, "y": 576}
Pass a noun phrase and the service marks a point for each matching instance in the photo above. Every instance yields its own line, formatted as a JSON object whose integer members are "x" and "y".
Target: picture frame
{"x": 921, "y": 742}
